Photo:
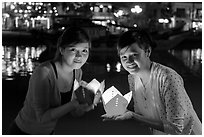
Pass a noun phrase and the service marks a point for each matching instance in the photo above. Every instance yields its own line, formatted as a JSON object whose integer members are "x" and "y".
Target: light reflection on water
{"x": 19, "y": 60}
{"x": 191, "y": 58}
{"x": 23, "y": 60}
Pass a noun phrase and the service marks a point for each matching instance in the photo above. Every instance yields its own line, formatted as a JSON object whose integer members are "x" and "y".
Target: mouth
{"x": 132, "y": 66}
{"x": 77, "y": 61}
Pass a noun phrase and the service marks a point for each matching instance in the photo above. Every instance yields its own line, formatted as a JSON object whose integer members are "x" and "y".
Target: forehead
{"x": 130, "y": 49}
{"x": 79, "y": 45}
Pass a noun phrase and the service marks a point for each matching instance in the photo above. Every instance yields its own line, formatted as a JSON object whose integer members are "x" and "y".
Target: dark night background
{"x": 29, "y": 35}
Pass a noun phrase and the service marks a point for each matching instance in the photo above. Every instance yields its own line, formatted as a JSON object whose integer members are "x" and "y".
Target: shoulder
{"x": 43, "y": 70}
{"x": 167, "y": 78}
{"x": 163, "y": 72}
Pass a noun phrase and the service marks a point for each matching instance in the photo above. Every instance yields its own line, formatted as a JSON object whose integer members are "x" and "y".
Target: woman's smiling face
{"x": 75, "y": 56}
{"x": 133, "y": 58}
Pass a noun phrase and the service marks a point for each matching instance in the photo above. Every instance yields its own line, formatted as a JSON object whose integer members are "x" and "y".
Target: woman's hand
{"x": 83, "y": 83}
{"x": 80, "y": 109}
{"x": 74, "y": 103}
{"x": 124, "y": 116}
{"x": 97, "y": 98}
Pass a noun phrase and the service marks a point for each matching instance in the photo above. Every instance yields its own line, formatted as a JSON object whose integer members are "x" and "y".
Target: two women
{"x": 160, "y": 99}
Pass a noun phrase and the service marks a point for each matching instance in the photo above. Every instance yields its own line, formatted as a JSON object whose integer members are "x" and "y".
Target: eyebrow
{"x": 131, "y": 52}
{"x": 75, "y": 47}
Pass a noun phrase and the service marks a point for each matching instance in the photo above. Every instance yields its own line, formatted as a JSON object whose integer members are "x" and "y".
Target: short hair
{"x": 139, "y": 36}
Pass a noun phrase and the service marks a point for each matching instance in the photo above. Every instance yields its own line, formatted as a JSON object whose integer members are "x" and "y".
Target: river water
{"x": 22, "y": 60}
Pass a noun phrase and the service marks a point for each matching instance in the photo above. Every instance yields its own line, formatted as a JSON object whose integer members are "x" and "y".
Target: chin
{"x": 77, "y": 66}
{"x": 133, "y": 71}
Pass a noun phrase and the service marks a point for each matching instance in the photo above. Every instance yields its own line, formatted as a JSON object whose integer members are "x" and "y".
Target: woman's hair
{"x": 139, "y": 36}
{"x": 71, "y": 36}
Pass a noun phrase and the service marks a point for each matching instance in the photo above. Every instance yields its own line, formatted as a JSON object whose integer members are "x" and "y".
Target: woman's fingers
{"x": 108, "y": 117}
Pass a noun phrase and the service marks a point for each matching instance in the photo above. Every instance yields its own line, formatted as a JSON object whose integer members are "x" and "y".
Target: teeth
{"x": 131, "y": 66}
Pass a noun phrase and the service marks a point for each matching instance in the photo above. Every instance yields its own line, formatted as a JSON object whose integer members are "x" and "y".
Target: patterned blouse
{"x": 165, "y": 100}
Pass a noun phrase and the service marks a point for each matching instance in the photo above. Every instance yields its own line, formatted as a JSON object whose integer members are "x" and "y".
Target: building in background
{"x": 103, "y": 14}
{"x": 116, "y": 16}
{"x": 188, "y": 13}
{"x": 26, "y": 15}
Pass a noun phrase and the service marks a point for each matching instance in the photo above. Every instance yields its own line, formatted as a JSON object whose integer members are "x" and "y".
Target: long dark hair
{"x": 69, "y": 37}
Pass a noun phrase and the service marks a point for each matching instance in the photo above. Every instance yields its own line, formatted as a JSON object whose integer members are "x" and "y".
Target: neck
{"x": 145, "y": 73}
{"x": 145, "y": 77}
{"x": 64, "y": 68}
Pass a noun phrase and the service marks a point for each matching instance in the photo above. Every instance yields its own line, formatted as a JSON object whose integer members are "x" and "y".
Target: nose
{"x": 78, "y": 54}
{"x": 130, "y": 59}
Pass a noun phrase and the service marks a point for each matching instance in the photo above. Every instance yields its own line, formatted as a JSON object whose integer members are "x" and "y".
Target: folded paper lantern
{"x": 114, "y": 102}
{"x": 86, "y": 94}
{"x": 94, "y": 85}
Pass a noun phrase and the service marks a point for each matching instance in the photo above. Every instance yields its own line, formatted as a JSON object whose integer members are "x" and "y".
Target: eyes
{"x": 85, "y": 51}
{"x": 75, "y": 50}
{"x": 125, "y": 57}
